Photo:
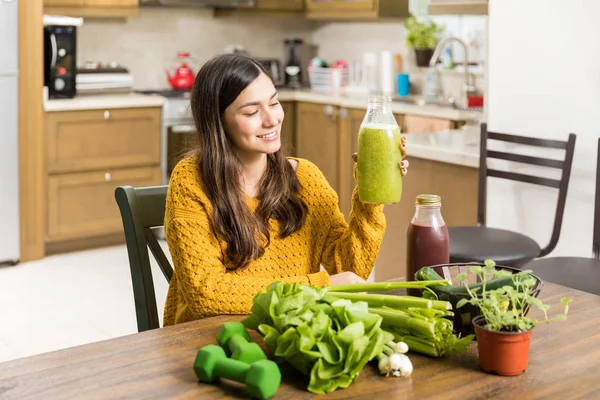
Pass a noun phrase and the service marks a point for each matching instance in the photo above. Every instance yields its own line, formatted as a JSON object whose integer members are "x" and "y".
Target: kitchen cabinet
{"x": 458, "y": 7}
{"x": 89, "y": 153}
{"x": 356, "y": 9}
{"x": 318, "y": 138}
{"x": 92, "y": 8}
{"x": 82, "y": 204}
{"x": 327, "y": 135}
{"x": 93, "y": 139}
{"x": 421, "y": 124}
{"x": 288, "y": 128}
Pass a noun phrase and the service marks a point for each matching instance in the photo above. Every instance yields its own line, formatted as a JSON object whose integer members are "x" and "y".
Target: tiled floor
{"x": 68, "y": 300}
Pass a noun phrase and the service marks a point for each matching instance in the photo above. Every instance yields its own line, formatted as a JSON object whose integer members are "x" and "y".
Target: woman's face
{"x": 253, "y": 120}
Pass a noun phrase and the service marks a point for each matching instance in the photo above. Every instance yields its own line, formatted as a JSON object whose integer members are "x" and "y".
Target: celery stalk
{"x": 386, "y": 300}
{"x": 383, "y": 286}
{"x": 403, "y": 320}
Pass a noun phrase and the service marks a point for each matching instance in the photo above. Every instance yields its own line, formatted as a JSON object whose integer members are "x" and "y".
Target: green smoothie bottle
{"x": 378, "y": 171}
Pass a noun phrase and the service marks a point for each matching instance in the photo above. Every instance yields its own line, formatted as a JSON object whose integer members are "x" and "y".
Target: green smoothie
{"x": 379, "y": 176}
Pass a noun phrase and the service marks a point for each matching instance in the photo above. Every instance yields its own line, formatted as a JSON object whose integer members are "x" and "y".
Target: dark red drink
{"x": 427, "y": 242}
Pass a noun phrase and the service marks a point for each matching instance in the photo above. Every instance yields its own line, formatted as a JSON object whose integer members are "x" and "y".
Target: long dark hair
{"x": 217, "y": 85}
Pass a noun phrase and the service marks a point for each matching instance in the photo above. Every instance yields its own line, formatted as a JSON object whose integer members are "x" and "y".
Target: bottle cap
{"x": 429, "y": 200}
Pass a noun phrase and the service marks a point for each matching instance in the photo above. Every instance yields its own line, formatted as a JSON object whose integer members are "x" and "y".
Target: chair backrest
{"x": 141, "y": 210}
{"x": 561, "y": 184}
{"x": 596, "y": 235}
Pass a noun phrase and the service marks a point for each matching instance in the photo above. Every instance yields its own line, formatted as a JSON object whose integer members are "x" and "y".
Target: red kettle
{"x": 182, "y": 76}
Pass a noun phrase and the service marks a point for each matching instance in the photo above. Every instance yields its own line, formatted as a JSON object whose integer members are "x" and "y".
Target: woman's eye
{"x": 274, "y": 104}
{"x": 251, "y": 114}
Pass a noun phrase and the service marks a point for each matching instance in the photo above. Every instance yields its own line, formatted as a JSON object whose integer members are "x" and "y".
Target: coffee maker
{"x": 292, "y": 66}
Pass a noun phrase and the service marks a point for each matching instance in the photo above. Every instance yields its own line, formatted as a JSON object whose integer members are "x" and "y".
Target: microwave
{"x": 60, "y": 60}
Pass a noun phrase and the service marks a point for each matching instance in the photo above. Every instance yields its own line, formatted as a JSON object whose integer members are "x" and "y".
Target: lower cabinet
{"x": 89, "y": 153}
{"x": 82, "y": 204}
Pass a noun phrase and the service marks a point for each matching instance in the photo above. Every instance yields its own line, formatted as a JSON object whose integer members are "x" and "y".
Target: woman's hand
{"x": 344, "y": 278}
{"x": 402, "y": 164}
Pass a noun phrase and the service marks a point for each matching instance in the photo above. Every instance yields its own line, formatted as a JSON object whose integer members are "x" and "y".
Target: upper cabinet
{"x": 458, "y": 7}
{"x": 356, "y": 9}
{"x": 92, "y": 8}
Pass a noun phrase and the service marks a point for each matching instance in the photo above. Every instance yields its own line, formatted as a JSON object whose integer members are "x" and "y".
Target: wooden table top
{"x": 564, "y": 364}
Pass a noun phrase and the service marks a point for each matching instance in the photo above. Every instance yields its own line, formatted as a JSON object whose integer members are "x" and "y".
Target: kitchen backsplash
{"x": 148, "y": 43}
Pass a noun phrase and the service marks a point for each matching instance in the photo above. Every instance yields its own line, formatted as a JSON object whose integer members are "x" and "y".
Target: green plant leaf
{"x": 461, "y": 277}
{"x": 490, "y": 263}
{"x": 462, "y": 302}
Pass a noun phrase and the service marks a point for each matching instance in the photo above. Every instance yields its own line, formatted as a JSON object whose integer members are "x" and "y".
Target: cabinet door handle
{"x": 330, "y": 113}
{"x": 343, "y": 113}
{"x": 106, "y": 114}
{"x": 107, "y": 177}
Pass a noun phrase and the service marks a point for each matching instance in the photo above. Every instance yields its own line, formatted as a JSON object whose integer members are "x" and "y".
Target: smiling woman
{"x": 240, "y": 215}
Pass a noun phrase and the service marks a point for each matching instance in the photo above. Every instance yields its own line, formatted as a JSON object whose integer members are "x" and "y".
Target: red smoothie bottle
{"x": 427, "y": 241}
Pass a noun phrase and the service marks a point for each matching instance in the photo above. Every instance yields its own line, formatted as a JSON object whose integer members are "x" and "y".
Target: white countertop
{"x": 360, "y": 101}
{"x": 453, "y": 146}
{"x": 125, "y": 100}
{"x": 102, "y": 101}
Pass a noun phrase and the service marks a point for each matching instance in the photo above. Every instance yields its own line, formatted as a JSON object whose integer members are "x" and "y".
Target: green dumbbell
{"x": 262, "y": 378}
{"x": 235, "y": 340}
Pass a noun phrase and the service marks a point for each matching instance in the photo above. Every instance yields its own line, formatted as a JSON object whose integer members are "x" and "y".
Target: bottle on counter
{"x": 427, "y": 242}
{"x": 378, "y": 172}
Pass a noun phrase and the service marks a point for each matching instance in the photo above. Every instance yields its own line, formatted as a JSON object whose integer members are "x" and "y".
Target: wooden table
{"x": 564, "y": 364}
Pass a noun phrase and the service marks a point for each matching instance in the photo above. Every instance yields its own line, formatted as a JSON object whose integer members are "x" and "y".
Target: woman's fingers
{"x": 403, "y": 148}
{"x": 404, "y": 167}
{"x": 355, "y": 157}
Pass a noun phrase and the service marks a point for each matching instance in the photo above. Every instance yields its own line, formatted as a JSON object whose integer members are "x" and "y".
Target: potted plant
{"x": 503, "y": 329}
{"x": 422, "y": 37}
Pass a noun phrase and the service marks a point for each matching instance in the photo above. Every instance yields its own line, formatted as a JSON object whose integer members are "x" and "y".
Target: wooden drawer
{"x": 419, "y": 124}
{"x": 83, "y": 204}
{"x": 95, "y": 139}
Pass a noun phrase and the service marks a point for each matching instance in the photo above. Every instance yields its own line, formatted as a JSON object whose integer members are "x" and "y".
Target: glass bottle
{"x": 378, "y": 171}
{"x": 427, "y": 241}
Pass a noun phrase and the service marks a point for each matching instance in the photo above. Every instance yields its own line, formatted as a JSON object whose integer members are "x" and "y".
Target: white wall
{"x": 544, "y": 80}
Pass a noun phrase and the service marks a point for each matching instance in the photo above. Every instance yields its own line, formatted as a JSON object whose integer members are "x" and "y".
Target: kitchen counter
{"x": 453, "y": 146}
{"x": 360, "y": 101}
{"x": 102, "y": 101}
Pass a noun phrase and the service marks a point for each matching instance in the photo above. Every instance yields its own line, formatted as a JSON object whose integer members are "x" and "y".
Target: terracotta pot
{"x": 423, "y": 56}
{"x": 503, "y": 353}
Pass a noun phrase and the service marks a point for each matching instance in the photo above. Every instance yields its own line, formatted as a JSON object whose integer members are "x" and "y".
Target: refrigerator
{"x": 9, "y": 131}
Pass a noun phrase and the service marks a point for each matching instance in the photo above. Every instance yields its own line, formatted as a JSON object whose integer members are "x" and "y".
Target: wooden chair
{"x": 576, "y": 272}
{"x": 141, "y": 210}
{"x": 478, "y": 243}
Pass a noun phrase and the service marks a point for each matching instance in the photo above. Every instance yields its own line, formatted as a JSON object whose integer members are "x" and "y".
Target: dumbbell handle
{"x": 232, "y": 369}
{"x": 236, "y": 341}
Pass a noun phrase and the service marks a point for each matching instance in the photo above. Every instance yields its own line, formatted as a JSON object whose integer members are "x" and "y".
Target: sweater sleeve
{"x": 353, "y": 245}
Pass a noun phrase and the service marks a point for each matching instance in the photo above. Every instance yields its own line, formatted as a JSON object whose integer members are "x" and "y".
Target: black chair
{"x": 478, "y": 243}
{"x": 141, "y": 210}
{"x": 576, "y": 272}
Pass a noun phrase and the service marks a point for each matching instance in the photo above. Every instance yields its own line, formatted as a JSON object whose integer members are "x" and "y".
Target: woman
{"x": 241, "y": 215}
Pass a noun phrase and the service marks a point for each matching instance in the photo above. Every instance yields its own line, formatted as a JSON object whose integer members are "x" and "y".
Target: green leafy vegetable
{"x": 324, "y": 337}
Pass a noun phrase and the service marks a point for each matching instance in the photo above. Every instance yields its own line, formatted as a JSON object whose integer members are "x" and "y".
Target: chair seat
{"x": 478, "y": 243}
{"x": 574, "y": 272}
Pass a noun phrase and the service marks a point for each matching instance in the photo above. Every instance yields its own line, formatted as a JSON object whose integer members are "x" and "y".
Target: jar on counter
{"x": 427, "y": 241}
{"x": 378, "y": 172}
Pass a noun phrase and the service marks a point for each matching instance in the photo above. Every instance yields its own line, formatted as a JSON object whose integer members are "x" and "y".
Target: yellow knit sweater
{"x": 201, "y": 286}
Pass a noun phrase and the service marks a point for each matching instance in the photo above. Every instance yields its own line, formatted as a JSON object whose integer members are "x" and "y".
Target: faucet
{"x": 468, "y": 88}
